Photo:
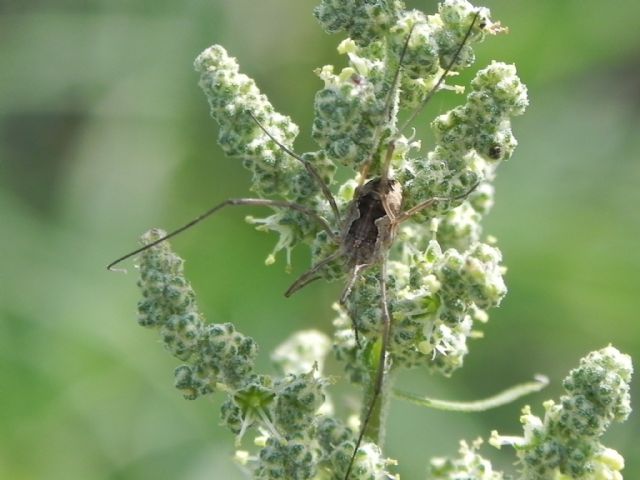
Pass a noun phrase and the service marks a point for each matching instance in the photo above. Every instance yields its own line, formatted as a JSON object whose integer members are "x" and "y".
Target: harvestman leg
{"x": 312, "y": 274}
{"x": 364, "y": 171}
{"x": 404, "y": 216}
{"x": 346, "y": 291}
{"x": 258, "y": 201}
{"x": 232, "y": 203}
{"x": 310, "y": 168}
{"x": 382, "y": 363}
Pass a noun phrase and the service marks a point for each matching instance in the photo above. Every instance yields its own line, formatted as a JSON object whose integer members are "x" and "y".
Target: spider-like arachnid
{"x": 361, "y": 231}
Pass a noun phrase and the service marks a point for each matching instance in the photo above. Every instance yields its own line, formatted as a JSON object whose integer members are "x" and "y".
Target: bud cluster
{"x": 356, "y": 109}
{"x": 233, "y": 97}
{"x": 295, "y": 437}
{"x": 567, "y": 440}
{"x": 217, "y": 355}
{"x": 471, "y": 140}
{"x": 235, "y": 104}
{"x": 434, "y": 303}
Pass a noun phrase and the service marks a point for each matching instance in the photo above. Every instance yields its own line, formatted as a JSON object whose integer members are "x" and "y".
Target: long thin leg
{"x": 384, "y": 176}
{"x": 353, "y": 276}
{"x": 312, "y": 274}
{"x": 229, "y": 203}
{"x": 430, "y": 94}
{"x": 382, "y": 364}
{"x": 387, "y": 106}
{"x": 447, "y": 69}
{"x": 346, "y": 291}
{"x": 396, "y": 76}
{"x": 310, "y": 168}
{"x": 427, "y": 203}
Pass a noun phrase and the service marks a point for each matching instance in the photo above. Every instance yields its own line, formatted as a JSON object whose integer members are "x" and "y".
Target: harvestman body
{"x": 363, "y": 239}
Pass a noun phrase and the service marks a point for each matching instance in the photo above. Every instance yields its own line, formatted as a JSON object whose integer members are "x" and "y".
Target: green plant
{"x": 437, "y": 278}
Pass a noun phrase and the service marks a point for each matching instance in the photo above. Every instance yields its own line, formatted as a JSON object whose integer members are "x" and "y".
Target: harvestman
{"x": 364, "y": 236}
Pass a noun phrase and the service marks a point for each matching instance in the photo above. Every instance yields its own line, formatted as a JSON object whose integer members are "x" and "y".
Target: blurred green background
{"x": 104, "y": 133}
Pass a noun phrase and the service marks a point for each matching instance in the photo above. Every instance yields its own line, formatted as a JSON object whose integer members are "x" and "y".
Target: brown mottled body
{"x": 367, "y": 233}
{"x": 370, "y": 227}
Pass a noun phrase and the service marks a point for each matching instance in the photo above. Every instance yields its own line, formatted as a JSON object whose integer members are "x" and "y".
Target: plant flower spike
{"x": 403, "y": 237}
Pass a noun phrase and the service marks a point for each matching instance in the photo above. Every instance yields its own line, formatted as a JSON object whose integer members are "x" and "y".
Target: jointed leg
{"x": 446, "y": 71}
{"x": 227, "y": 203}
{"x": 396, "y": 76}
{"x": 387, "y": 106}
{"x": 346, "y": 291}
{"x": 351, "y": 280}
{"x": 385, "y": 335}
{"x": 312, "y": 274}
{"x": 427, "y": 203}
{"x": 310, "y": 168}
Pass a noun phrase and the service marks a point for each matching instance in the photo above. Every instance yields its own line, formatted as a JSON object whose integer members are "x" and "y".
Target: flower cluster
{"x": 217, "y": 355}
{"x": 567, "y": 440}
{"x": 471, "y": 140}
{"x": 436, "y": 299}
{"x": 236, "y": 103}
{"x": 356, "y": 109}
{"x": 443, "y": 275}
{"x": 364, "y": 22}
{"x": 233, "y": 97}
{"x": 295, "y": 436}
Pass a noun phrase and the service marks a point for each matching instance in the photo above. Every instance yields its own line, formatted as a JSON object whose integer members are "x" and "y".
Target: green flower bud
{"x": 421, "y": 59}
{"x": 349, "y": 109}
{"x": 193, "y": 382}
{"x": 332, "y": 432}
{"x": 603, "y": 380}
{"x": 228, "y": 353}
{"x": 298, "y": 399}
{"x": 369, "y": 463}
{"x": 294, "y": 459}
{"x": 364, "y": 22}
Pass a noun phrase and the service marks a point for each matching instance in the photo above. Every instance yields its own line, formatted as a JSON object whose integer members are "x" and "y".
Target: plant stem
{"x": 503, "y": 398}
{"x": 376, "y": 429}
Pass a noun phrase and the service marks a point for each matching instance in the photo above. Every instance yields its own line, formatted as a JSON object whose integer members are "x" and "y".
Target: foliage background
{"x": 104, "y": 133}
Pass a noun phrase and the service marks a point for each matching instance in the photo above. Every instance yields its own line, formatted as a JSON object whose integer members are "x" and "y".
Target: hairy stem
{"x": 503, "y": 398}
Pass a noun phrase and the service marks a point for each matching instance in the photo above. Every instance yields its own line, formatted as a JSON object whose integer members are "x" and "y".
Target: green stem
{"x": 376, "y": 430}
{"x": 506, "y": 396}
